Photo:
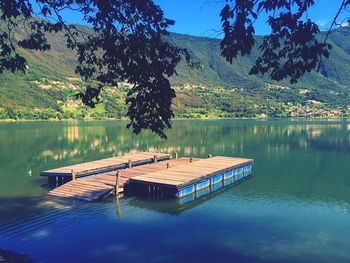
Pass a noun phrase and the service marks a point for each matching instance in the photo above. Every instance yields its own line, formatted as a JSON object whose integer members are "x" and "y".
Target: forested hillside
{"x": 218, "y": 89}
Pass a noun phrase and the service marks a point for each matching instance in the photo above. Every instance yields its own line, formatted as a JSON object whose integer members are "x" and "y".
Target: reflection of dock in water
{"x": 181, "y": 205}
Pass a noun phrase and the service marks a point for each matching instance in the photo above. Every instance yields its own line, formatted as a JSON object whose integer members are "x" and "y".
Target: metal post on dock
{"x": 129, "y": 163}
{"x": 167, "y": 165}
{"x": 155, "y": 158}
{"x": 74, "y": 174}
{"x": 116, "y": 184}
{"x": 209, "y": 155}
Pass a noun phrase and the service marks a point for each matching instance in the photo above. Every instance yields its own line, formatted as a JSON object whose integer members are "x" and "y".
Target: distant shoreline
{"x": 182, "y": 119}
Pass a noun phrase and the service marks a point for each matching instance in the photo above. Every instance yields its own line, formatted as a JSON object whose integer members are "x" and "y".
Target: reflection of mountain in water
{"x": 304, "y": 159}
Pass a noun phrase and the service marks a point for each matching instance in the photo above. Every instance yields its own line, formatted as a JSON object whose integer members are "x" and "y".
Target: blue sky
{"x": 201, "y": 17}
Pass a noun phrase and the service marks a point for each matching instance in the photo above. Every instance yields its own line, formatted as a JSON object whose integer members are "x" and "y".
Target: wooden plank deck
{"x": 106, "y": 165}
{"x": 94, "y": 187}
{"x": 182, "y": 176}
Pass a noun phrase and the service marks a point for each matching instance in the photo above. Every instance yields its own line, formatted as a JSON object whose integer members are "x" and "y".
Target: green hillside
{"x": 219, "y": 89}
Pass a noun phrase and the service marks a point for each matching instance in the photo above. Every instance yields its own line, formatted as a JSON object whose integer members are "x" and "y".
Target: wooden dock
{"x": 94, "y": 187}
{"x": 104, "y": 165}
{"x": 188, "y": 178}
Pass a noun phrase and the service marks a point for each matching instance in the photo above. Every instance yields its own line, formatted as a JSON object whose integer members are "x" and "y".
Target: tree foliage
{"x": 127, "y": 44}
{"x": 292, "y": 47}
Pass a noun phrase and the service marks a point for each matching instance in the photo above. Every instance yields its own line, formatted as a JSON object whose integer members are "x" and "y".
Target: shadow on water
{"x": 11, "y": 257}
{"x": 17, "y": 208}
{"x": 178, "y": 206}
{"x": 53, "y": 214}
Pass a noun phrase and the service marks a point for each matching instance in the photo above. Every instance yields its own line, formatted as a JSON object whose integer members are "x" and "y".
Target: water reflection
{"x": 320, "y": 149}
{"x": 295, "y": 209}
{"x": 179, "y": 206}
{"x": 226, "y": 222}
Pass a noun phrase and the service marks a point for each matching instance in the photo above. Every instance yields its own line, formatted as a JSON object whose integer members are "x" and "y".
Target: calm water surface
{"x": 295, "y": 208}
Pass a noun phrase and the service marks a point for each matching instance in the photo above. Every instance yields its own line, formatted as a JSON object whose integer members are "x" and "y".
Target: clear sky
{"x": 201, "y": 17}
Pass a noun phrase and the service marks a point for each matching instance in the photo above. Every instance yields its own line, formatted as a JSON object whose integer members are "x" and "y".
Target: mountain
{"x": 219, "y": 89}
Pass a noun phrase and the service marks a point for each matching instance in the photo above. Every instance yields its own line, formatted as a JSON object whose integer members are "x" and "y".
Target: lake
{"x": 295, "y": 207}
